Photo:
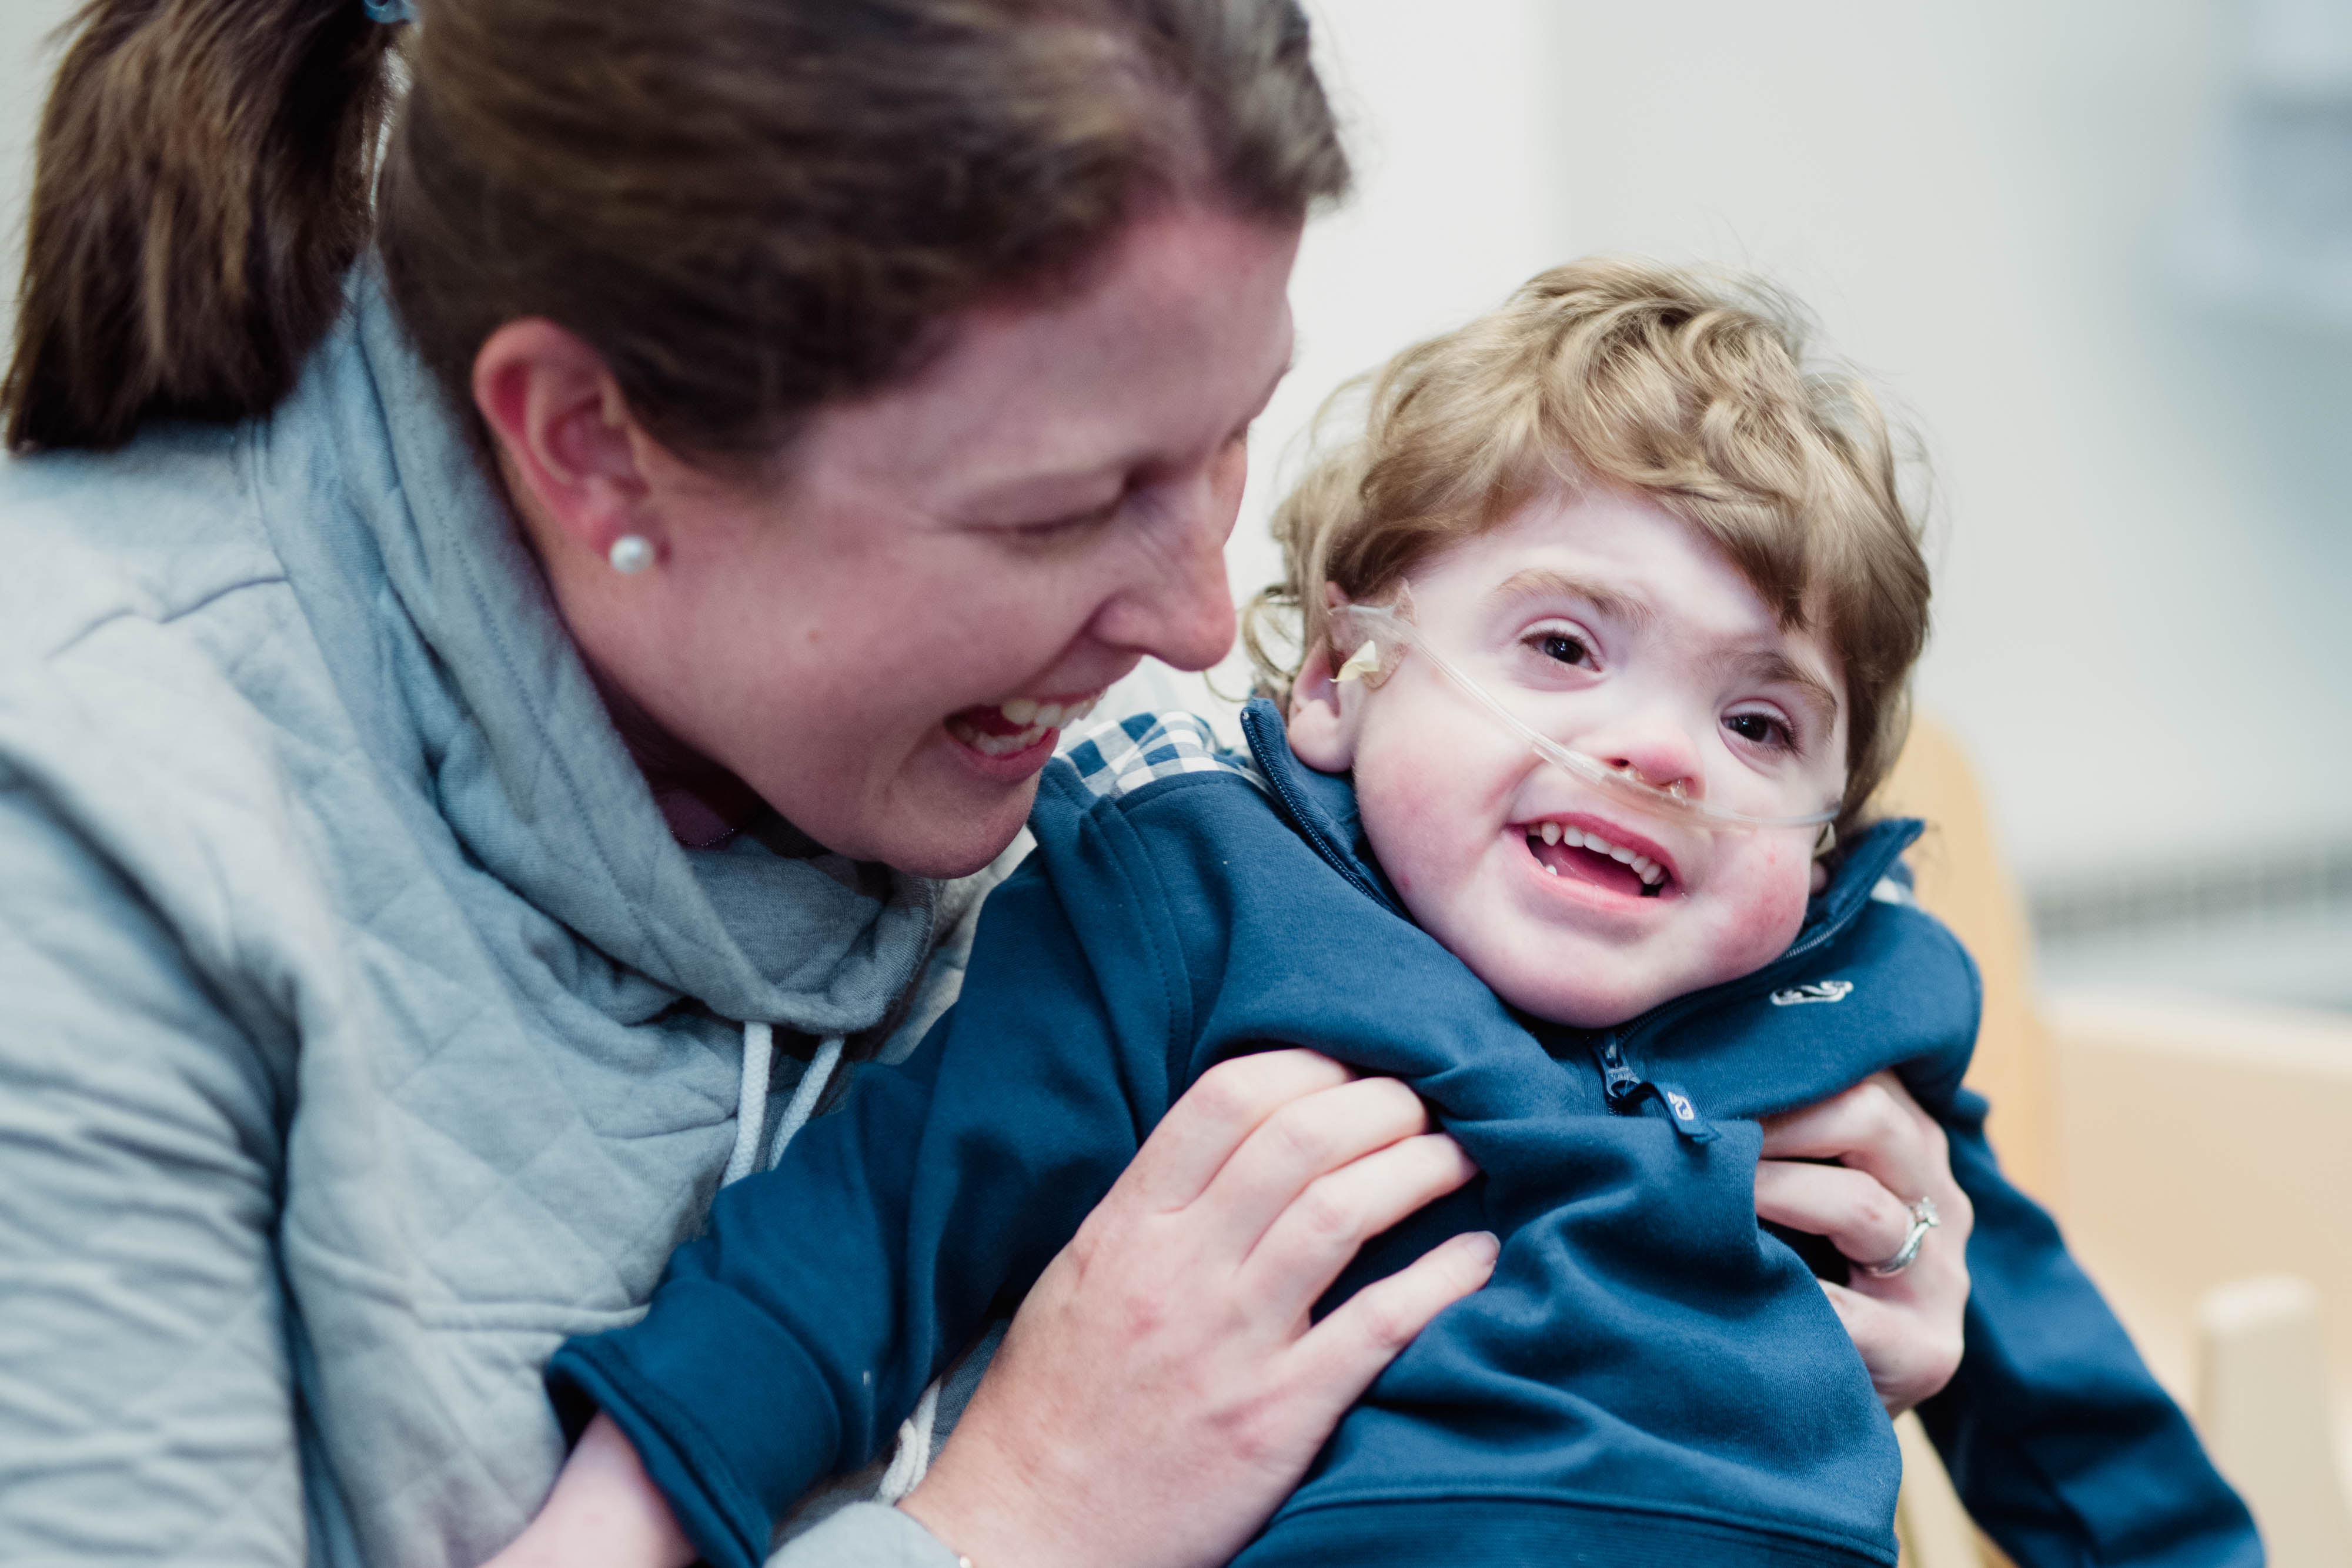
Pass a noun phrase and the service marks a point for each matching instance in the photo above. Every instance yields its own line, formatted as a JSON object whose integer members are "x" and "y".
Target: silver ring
{"x": 1924, "y": 1219}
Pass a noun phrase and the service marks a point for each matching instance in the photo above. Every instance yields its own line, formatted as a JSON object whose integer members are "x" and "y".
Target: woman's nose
{"x": 1177, "y": 606}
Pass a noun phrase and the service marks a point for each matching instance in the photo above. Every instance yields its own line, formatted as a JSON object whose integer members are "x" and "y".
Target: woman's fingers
{"x": 1213, "y": 1117}
{"x": 1162, "y": 1388}
{"x": 1280, "y": 1164}
{"x": 1911, "y": 1355}
{"x": 1890, "y": 1154}
{"x": 1861, "y": 1218}
{"x": 1338, "y": 1358}
{"x": 1315, "y": 1236}
{"x": 1875, "y": 1127}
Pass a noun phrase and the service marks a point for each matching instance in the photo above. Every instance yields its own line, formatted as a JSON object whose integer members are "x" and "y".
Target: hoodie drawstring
{"x": 805, "y": 1094}
{"x": 912, "y": 1458}
{"x": 752, "y": 1099}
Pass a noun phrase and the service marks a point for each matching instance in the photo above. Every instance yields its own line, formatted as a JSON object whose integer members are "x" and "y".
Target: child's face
{"x": 1620, "y": 633}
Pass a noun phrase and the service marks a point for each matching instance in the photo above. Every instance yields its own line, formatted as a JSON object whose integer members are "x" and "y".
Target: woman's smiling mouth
{"x": 1572, "y": 850}
{"x": 1001, "y": 729}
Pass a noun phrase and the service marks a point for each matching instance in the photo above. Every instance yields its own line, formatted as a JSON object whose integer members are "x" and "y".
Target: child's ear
{"x": 1322, "y": 727}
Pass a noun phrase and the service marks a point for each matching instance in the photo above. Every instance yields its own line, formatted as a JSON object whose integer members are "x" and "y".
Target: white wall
{"x": 24, "y": 65}
{"x": 2143, "y": 567}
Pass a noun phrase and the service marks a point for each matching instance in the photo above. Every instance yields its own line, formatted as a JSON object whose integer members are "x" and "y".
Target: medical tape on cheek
{"x": 1363, "y": 664}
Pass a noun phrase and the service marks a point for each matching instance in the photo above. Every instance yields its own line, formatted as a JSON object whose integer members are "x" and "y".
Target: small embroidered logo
{"x": 1680, "y": 1105}
{"x": 1816, "y": 991}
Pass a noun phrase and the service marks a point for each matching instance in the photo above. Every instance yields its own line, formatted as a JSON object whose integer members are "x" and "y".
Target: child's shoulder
{"x": 1213, "y": 826}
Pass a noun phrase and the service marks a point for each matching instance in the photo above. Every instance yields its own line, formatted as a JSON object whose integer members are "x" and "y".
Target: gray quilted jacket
{"x": 362, "y": 1031}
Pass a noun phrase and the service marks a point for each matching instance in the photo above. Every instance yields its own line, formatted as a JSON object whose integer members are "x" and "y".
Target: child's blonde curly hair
{"x": 1693, "y": 391}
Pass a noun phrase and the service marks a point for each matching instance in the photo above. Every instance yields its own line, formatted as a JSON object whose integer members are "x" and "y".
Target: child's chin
{"x": 1579, "y": 1006}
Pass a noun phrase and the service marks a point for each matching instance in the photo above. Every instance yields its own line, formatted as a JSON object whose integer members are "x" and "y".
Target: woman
{"x": 459, "y": 715}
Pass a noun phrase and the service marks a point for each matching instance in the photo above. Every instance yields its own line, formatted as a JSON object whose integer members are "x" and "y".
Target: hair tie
{"x": 390, "y": 12}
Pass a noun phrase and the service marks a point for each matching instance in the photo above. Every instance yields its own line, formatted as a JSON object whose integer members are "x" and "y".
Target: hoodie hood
{"x": 530, "y": 772}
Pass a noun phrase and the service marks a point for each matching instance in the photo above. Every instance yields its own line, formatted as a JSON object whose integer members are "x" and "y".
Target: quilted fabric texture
{"x": 362, "y": 1031}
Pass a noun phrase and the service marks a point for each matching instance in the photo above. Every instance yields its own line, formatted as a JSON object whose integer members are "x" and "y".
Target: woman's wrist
{"x": 986, "y": 1507}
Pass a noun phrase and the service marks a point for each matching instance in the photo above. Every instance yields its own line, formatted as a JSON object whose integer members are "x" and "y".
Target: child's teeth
{"x": 1020, "y": 710}
{"x": 1550, "y": 870}
{"x": 1651, "y": 872}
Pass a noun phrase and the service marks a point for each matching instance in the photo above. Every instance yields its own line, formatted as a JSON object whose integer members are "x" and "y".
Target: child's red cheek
{"x": 1767, "y": 924}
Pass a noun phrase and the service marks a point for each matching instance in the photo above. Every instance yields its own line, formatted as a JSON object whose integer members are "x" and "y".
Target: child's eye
{"x": 1761, "y": 729}
{"x": 1564, "y": 647}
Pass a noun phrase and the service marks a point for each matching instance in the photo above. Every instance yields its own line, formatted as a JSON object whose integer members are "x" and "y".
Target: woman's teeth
{"x": 1651, "y": 873}
{"x": 1016, "y": 726}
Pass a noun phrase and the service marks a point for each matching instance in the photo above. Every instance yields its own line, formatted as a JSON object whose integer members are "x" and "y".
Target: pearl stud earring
{"x": 631, "y": 554}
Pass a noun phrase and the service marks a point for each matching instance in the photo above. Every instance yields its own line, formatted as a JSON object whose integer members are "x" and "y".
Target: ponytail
{"x": 202, "y": 184}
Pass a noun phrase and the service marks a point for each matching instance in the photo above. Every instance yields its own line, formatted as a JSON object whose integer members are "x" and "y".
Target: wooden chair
{"x": 2200, "y": 1156}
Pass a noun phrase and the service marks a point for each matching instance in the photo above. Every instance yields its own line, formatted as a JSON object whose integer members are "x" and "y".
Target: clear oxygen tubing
{"x": 1381, "y": 634}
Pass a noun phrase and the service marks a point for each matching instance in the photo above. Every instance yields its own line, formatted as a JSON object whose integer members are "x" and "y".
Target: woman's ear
{"x": 1321, "y": 723}
{"x": 564, "y": 433}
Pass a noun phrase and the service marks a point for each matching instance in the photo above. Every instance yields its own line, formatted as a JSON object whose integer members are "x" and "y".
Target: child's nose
{"x": 1658, "y": 752}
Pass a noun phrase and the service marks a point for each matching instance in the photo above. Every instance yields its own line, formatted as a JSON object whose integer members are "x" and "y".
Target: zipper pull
{"x": 1624, "y": 1088}
{"x": 1618, "y": 1081}
{"x": 1684, "y": 1114}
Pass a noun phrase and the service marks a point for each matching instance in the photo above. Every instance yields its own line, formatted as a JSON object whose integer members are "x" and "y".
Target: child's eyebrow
{"x": 1770, "y": 667}
{"x": 1542, "y": 582}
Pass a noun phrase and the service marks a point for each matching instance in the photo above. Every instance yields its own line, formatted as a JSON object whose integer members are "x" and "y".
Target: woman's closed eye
{"x": 1069, "y": 529}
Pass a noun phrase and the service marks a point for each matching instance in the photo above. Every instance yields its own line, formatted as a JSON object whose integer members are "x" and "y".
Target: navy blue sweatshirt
{"x": 1648, "y": 1377}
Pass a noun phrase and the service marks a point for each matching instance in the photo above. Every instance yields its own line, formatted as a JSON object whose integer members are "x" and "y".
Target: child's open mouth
{"x": 1564, "y": 849}
{"x": 1003, "y": 728}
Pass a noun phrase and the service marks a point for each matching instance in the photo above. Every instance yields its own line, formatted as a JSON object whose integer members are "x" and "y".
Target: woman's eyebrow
{"x": 1544, "y": 582}
{"x": 1073, "y": 489}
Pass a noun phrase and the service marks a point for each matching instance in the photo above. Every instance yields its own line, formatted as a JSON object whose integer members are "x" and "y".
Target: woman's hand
{"x": 1163, "y": 1388}
{"x": 1890, "y": 1154}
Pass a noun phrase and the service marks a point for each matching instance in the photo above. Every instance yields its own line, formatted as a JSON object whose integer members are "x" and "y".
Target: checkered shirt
{"x": 1119, "y": 756}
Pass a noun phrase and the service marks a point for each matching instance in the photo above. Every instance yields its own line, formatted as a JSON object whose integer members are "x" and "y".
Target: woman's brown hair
{"x": 746, "y": 206}
{"x": 1696, "y": 392}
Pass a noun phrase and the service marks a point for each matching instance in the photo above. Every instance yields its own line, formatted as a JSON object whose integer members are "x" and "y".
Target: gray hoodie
{"x": 363, "y": 1031}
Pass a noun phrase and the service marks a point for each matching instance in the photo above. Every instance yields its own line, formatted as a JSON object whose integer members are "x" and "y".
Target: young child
{"x": 1606, "y": 623}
